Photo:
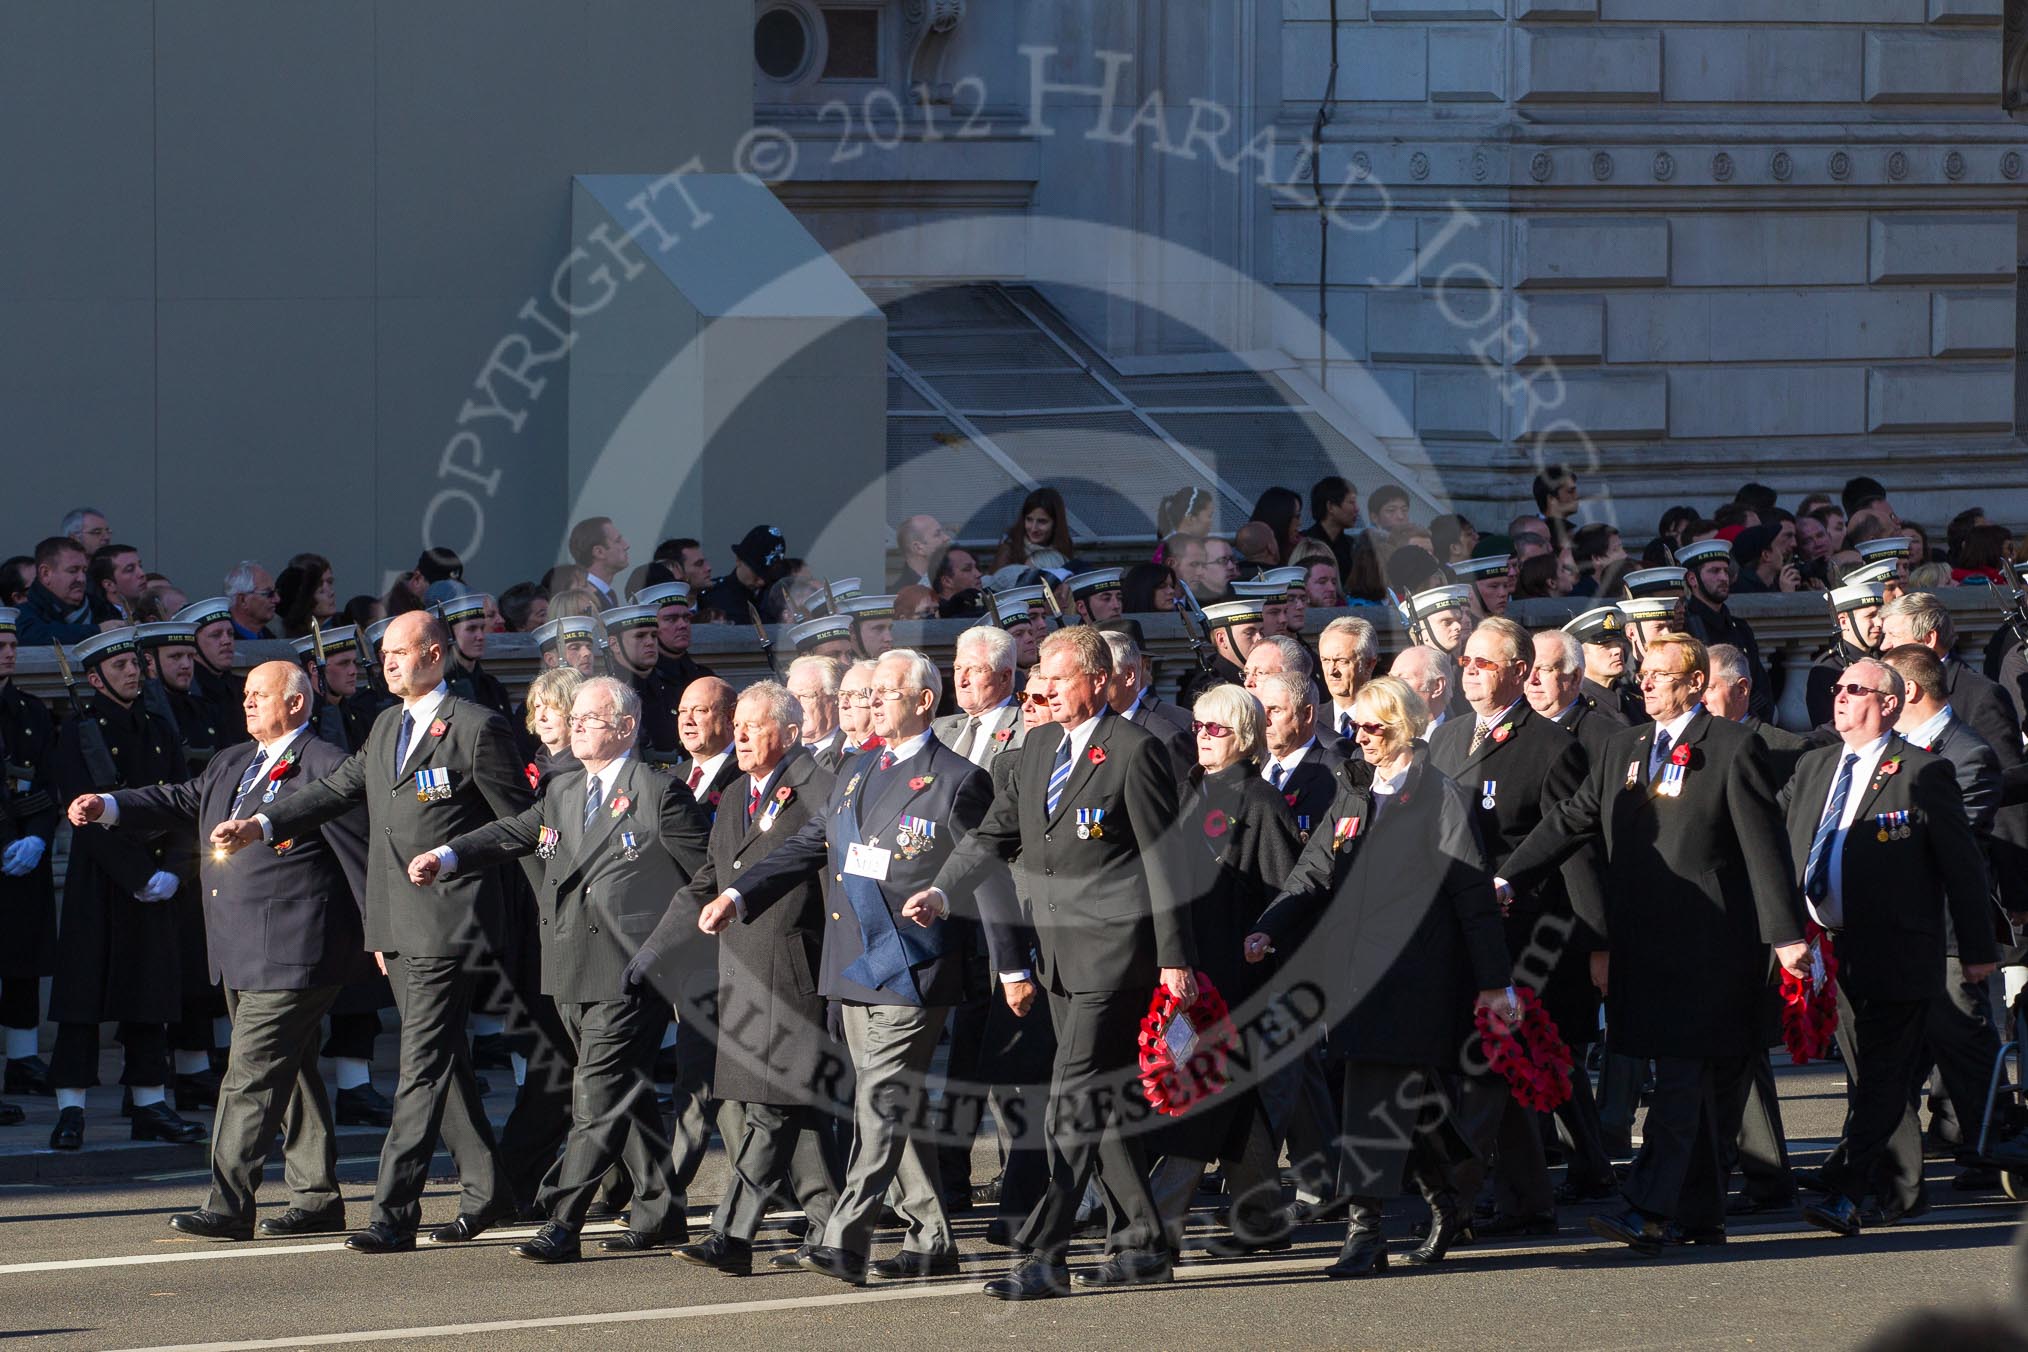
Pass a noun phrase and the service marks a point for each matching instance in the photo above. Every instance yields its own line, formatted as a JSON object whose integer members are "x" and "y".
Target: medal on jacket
{"x": 851, "y": 787}
{"x": 432, "y": 786}
{"x": 630, "y": 848}
{"x": 1881, "y": 834}
{"x": 1090, "y": 823}
{"x": 914, "y": 837}
{"x": 1302, "y": 827}
{"x": 1671, "y": 783}
{"x": 1633, "y": 772}
{"x": 1343, "y": 830}
{"x": 1490, "y": 789}
{"x": 546, "y": 842}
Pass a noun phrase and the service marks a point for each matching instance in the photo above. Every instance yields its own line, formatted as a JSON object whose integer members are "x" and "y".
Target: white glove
{"x": 161, "y": 886}
{"x": 22, "y": 856}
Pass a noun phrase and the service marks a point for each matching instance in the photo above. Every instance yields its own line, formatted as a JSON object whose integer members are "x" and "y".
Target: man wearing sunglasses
{"x": 252, "y": 593}
{"x": 1889, "y": 867}
{"x": 1697, "y": 887}
{"x": 1516, "y": 765}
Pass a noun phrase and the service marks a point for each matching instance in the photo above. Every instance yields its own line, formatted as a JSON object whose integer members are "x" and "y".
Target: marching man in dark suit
{"x": 616, "y": 840}
{"x": 1697, "y": 888}
{"x": 283, "y": 926}
{"x": 1884, "y": 854}
{"x": 1085, "y": 815}
{"x": 892, "y": 820}
{"x": 770, "y": 1065}
{"x": 433, "y": 768}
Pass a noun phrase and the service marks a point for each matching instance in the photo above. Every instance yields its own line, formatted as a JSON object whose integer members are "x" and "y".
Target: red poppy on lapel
{"x": 1097, "y": 755}
{"x": 534, "y": 775}
{"x": 1680, "y": 756}
{"x": 1503, "y": 732}
{"x": 784, "y": 794}
{"x": 1890, "y": 767}
{"x": 1290, "y": 798}
{"x": 714, "y": 796}
{"x": 1215, "y": 822}
{"x": 282, "y": 769}
{"x": 1004, "y": 735}
{"x": 439, "y": 728}
{"x": 921, "y": 782}
{"x": 621, "y": 803}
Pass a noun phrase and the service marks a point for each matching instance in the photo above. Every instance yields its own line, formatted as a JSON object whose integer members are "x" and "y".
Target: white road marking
{"x": 257, "y": 1249}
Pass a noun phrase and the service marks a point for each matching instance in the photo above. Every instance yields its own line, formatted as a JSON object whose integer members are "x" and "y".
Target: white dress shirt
{"x": 1288, "y": 764}
{"x": 422, "y": 711}
{"x": 605, "y": 778}
{"x": 1674, "y": 727}
{"x": 709, "y": 765}
{"x": 1831, "y": 912}
{"x": 270, "y": 753}
{"x": 1931, "y": 728}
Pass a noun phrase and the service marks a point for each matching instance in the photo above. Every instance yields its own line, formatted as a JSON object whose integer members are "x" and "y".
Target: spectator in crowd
{"x": 1206, "y": 565}
{"x": 118, "y": 583}
{"x": 1960, "y": 525}
{"x": 1453, "y": 538}
{"x": 1762, "y": 564}
{"x": 1412, "y": 568}
{"x": 918, "y": 539}
{"x": 1527, "y": 536}
{"x": 915, "y": 603}
{"x": 597, "y": 546}
{"x": 1148, "y": 588}
{"x": 1918, "y": 544}
{"x": 523, "y": 607}
{"x": 88, "y": 527}
{"x": 1040, "y": 535}
{"x": 1187, "y": 511}
{"x": 1984, "y": 550}
{"x": 306, "y": 591}
{"x": 1929, "y": 577}
{"x": 1832, "y": 518}
{"x": 1281, "y": 511}
{"x": 251, "y": 591}
{"x": 955, "y": 570}
{"x": 17, "y": 575}
{"x": 56, "y": 609}
{"x": 1334, "y": 511}
{"x": 1255, "y": 544}
{"x": 1540, "y": 577}
{"x": 1556, "y": 498}
{"x": 687, "y": 560}
{"x": 1389, "y": 507}
{"x": 1594, "y": 548}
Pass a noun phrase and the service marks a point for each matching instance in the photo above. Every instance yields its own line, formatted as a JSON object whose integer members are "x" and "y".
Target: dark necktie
{"x": 1661, "y": 755}
{"x": 887, "y": 760}
{"x": 967, "y": 737}
{"x": 1817, "y": 876}
{"x": 696, "y": 777}
{"x": 591, "y": 800}
{"x": 1345, "y": 724}
{"x": 246, "y": 781}
{"x": 1277, "y": 773}
{"x": 401, "y": 741}
{"x": 753, "y": 803}
{"x": 1059, "y": 775}
{"x": 1478, "y": 737}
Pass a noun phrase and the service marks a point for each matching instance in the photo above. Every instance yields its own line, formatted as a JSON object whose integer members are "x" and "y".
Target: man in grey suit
{"x": 1129, "y": 695}
{"x": 892, "y": 820}
{"x": 433, "y": 768}
{"x": 283, "y": 931}
{"x": 988, "y": 720}
{"x": 813, "y": 680}
{"x": 617, "y": 840}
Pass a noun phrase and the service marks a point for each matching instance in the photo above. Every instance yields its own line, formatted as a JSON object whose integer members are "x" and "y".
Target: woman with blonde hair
{"x": 1406, "y": 930}
{"x": 547, "y": 715}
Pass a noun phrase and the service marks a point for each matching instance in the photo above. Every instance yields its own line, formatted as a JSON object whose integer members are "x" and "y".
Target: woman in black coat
{"x": 1239, "y": 839}
{"x": 1406, "y": 930}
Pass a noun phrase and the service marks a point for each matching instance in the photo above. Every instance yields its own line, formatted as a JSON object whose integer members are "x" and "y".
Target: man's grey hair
{"x": 1925, "y": 615}
{"x": 1891, "y": 682}
{"x": 1728, "y": 663}
{"x": 621, "y": 697}
{"x": 1295, "y": 657}
{"x": 829, "y": 671}
{"x": 922, "y": 672}
{"x": 784, "y": 709}
{"x": 297, "y": 683}
{"x": 993, "y": 645}
{"x": 74, "y": 519}
{"x": 1302, "y": 694}
{"x": 1126, "y": 653}
{"x": 241, "y": 579}
{"x": 1364, "y": 641}
{"x": 1567, "y": 653}
{"x": 1430, "y": 662}
{"x": 860, "y": 666}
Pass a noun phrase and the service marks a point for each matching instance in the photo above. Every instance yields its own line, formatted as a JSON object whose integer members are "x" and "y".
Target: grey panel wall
{"x": 272, "y": 243}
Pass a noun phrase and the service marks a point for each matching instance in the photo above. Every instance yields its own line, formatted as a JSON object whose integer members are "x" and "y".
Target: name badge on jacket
{"x": 865, "y": 861}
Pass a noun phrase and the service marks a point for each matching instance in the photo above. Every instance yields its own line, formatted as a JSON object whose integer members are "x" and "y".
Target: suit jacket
{"x": 1697, "y": 887}
{"x": 710, "y": 791}
{"x": 1620, "y": 702}
{"x": 487, "y": 781}
{"x": 1311, "y": 787}
{"x": 867, "y": 805}
{"x": 1109, "y": 907}
{"x": 1984, "y": 705}
{"x": 1001, "y": 727}
{"x": 1406, "y": 929}
{"x": 1170, "y": 724}
{"x": 276, "y": 917}
{"x": 1896, "y": 893}
{"x": 595, "y": 905}
{"x": 1536, "y": 765}
{"x": 769, "y": 1031}
{"x": 1784, "y": 748}
{"x": 1592, "y": 724}
{"x": 1976, "y": 768}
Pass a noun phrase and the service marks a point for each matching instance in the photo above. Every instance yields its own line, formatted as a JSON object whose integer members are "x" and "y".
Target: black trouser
{"x": 613, "y": 1116}
{"x": 963, "y": 1061}
{"x": 1398, "y": 1128}
{"x": 272, "y": 1081}
{"x": 1750, "y": 1130}
{"x": 1961, "y": 1041}
{"x": 1880, "y": 1149}
{"x": 779, "y": 1142}
{"x": 20, "y": 1002}
{"x": 74, "y": 1061}
{"x": 352, "y": 1035}
{"x": 1679, "y": 1174}
{"x": 1590, "y": 1162}
{"x": 1503, "y": 1131}
{"x": 537, "y": 1125}
{"x": 1095, "y": 1041}
{"x": 436, "y": 1095}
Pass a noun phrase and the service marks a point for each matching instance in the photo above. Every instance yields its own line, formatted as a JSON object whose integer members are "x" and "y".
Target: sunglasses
{"x": 1855, "y": 691}
{"x": 1371, "y": 729}
{"x": 1030, "y": 697}
{"x": 1213, "y": 729}
{"x": 1480, "y": 664}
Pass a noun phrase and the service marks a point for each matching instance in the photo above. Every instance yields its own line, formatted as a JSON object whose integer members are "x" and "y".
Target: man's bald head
{"x": 412, "y": 653}
{"x": 704, "y": 717}
{"x": 277, "y": 700}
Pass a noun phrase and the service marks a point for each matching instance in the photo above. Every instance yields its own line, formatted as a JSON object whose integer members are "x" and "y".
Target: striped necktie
{"x": 246, "y": 781}
{"x": 1059, "y": 774}
{"x": 591, "y": 800}
{"x": 1817, "y": 876}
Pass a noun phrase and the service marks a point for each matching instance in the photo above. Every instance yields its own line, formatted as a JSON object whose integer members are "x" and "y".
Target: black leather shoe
{"x": 1876, "y": 1214}
{"x": 1678, "y": 1235}
{"x": 1127, "y": 1269}
{"x": 1744, "y": 1205}
{"x": 734, "y": 1257}
{"x": 69, "y": 1133}
{"x": 913, "y": 1265}
{"x": 1836, "y": 1214}
{"x": 1447, "y": 1222}
{"x": 159, "y": 1122}
{"x": 362, "y": 1106}
{"x": 1505, "y": 1227}
{"x": 1971, "y": 1178}
{"x": 296, "y": 1221}
{"x": 1232, "y": 1246}
{"x": 29, "y": 1075}
{"x": 463, "y": 1230}
{"x": 634, "y": 1241}
{"x": 790, "y": 1260}
{"x": 553, "y": 1243}
{"x": 1034, "y": 1279}
{"x": 210, "y": 1225}
{"x": 379, "y": 1238}
{"x": 1810, "y": 1180}
{"x": 1630, "y": 1228}
{"x": 12, "y": 1115}
{"x": 1364, "y": 1253}
{"x": 849, "y": 1268}
{"x": 1573, "y": 1191}
{"x": 194, "y": 1092}
{"x": 986, "y": 1194}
